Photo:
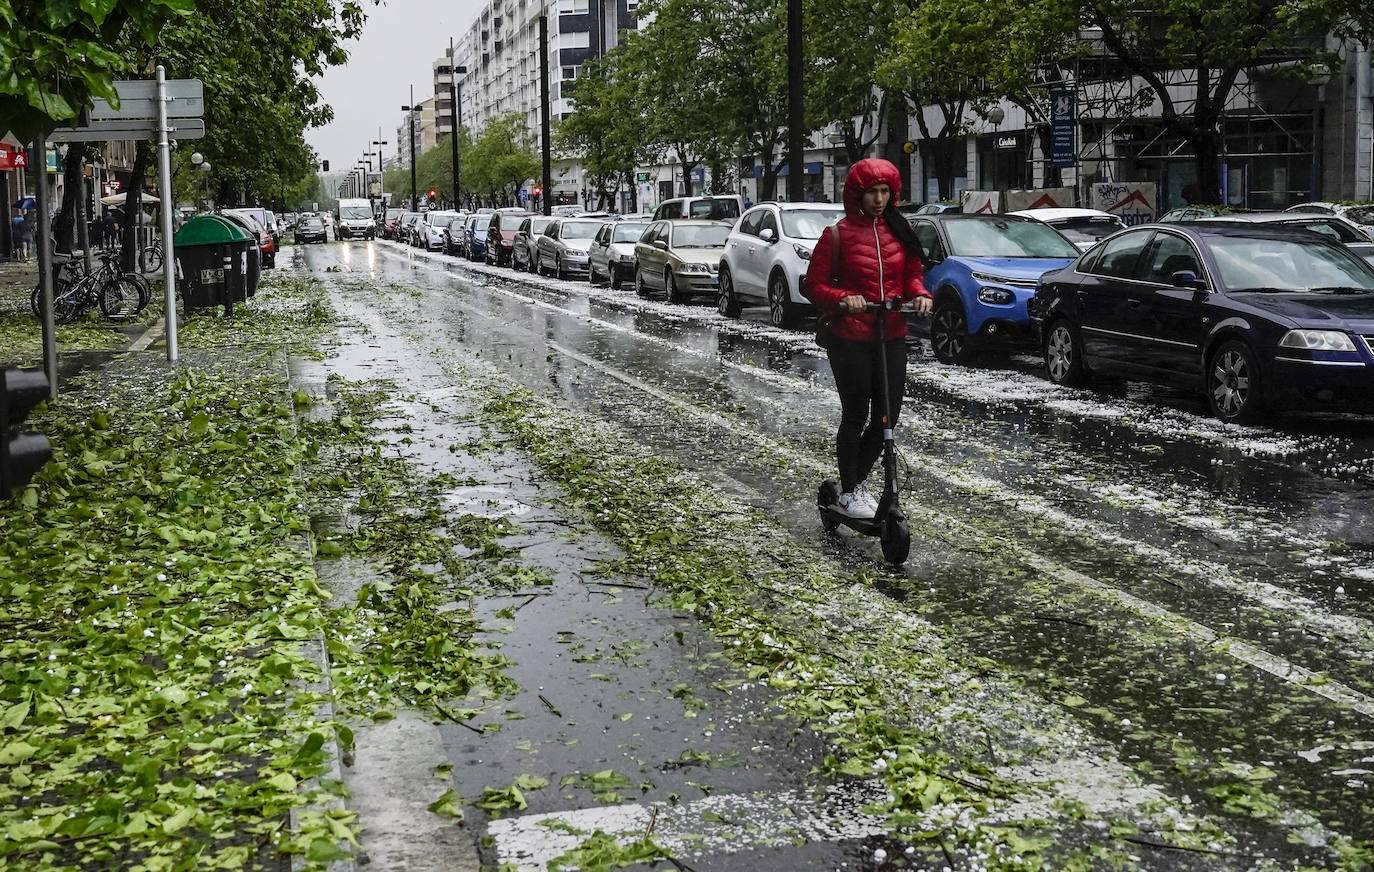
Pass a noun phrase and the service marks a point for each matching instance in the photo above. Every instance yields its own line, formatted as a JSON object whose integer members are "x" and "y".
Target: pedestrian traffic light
{"x": 538, "y": 190}
{"x": 21, "y": 454}
{"x": 433, "y": 193}
{"x": 324, "y": 166}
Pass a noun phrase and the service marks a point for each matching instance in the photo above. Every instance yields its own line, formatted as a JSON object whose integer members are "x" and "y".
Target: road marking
{"x": 721, "y": 824}
{"x": 1203, "y": 635}
{"x": 149, "y": 335}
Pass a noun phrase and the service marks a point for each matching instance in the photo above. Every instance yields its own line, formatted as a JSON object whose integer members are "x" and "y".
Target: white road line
{"x": 1203, "y": 635}
{"x": 721, "y": 824}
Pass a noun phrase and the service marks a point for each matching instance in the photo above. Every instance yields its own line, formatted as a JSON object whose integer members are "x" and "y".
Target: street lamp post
{"x": 995, "y": 115}
{"x": 455, "y": 93}
{"x": 378, "y": 143}
{"x": 414, "y": 199}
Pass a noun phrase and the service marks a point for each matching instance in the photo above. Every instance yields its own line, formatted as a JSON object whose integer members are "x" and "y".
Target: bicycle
{"x": 150, "y": 257}
{"x": 120, "y": 296}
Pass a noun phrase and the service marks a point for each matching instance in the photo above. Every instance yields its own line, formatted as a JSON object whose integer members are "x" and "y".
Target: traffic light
{"x": 433, "y": 193}
{"x": 21, "y": 454}
{"x": 324, "y": 166}
{"x": 538, "y": 190}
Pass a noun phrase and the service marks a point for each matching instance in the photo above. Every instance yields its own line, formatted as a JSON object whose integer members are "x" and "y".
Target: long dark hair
{"x": 902, "y": 229}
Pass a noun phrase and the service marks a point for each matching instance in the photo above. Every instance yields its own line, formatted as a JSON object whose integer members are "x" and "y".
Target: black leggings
{"x": 859, "y": 441}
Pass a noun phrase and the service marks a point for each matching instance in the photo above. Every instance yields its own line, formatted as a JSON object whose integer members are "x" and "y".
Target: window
{"x": 575, "y": 40}
{"x": 574, "y": 7}
{"x": 752, "y": 221}
{"x": 1120, "y": 255}
{"x": 929, "y": 238}
{"x": 770, "y": 222}
{"x": 569, "y": 74}
{"x": 670, "y": 211}
{"x": 1168, "y": 255}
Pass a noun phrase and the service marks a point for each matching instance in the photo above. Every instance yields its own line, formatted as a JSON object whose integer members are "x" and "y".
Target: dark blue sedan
{"x": 1256, "y": 318}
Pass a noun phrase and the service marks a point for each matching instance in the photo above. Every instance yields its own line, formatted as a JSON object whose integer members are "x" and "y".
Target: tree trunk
{"x": 941, "y": 153}
{"x": 1207, "y": 163}
{"x": 64, "y": 224}
{"x": 898, "y": 131}
{"x": 133, "y": 207}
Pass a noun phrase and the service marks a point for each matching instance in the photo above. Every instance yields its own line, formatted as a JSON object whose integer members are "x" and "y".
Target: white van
{"x": 355, "y": 219}
{"x": 720, "y": 207}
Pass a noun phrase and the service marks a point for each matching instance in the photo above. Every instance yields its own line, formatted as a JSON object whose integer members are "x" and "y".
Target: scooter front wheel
{"x": 896, "y": 541}
{"x": 827, "y": 496}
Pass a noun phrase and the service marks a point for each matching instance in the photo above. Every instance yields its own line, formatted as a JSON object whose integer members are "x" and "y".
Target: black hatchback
{"x": 1256, "y": 318}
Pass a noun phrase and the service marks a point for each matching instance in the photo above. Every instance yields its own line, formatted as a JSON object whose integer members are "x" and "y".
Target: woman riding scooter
{"x": 879, "y": 262}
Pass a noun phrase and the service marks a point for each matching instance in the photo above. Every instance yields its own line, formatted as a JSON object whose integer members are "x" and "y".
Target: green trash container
{"x": 252, "y": 259}
{"x": 210, "y": 251}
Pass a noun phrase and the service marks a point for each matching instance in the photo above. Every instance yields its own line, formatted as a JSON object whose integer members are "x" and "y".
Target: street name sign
{"x": 138, "y": 99}
{"x": 137, "y": 128}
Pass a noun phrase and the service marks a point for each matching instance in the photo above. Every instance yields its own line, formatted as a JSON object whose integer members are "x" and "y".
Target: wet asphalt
{"x": 1201, "y": 597}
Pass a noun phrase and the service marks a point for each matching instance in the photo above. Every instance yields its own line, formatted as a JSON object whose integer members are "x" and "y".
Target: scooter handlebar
{"x": 891, "y": 305}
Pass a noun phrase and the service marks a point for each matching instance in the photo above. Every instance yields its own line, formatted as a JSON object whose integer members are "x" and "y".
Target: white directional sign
{"x": 138, "y": 99}
{"x": 146, "y": 128}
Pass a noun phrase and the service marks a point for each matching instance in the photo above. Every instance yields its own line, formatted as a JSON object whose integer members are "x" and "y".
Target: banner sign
{"x": 975, "y": 202}
{"x": 12, "y": 157}
{"x": 1063, "y": 128}
{"x": 1132, "y": 202}
{"x": 1040, "y": 198}
{"x": 374, "y": 184}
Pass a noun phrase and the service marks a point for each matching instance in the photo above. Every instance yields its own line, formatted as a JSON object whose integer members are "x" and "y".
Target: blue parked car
{"x": 982, "y": 271}
{"x": 475, "y": 234}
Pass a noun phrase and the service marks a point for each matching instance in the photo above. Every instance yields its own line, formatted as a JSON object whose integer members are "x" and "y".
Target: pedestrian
{"x": 97, "y": 234}
{"x": 111, "y": 229}
{"x": 879, "y": 259}
{"x": 26, "y": 230}
{"x": 17, "y": 235}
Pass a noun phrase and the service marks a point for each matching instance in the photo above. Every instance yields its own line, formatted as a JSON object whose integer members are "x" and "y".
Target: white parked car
{"x": 766, "y": 258}
{"x": 429, "y": 232}
{"x": 612, "y": 253}
{"x": 1083, "y": 227}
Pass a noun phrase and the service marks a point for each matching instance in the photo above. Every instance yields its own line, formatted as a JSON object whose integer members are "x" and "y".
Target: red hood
{"x": 864, "y": 175}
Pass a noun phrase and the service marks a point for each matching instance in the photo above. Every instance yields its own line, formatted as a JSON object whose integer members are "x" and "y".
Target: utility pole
{"x": 455, "y": 91}
{"x": 546, "y": 193}
{"x": 796, "y": 157}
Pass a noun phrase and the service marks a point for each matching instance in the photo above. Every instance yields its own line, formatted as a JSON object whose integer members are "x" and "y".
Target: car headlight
{"x": 992, "y": 279}
{"x": 995, "y": 296}
{"x": 1317, "y": 340}
{"x": 802, "y": 251}
{"x": 627, "y": 258}
{"x": 695, "y": 268}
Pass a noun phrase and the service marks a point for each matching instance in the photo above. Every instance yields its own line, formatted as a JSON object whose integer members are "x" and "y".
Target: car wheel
{"x": 949, "y": 332}
{"x": 1064, "y": 355}
{"x": 781, "y": 312}
{"x": 613, "y": 273}
{"x": 640, "y": 288}
{"x": 726, "y": 304}
{"x": 1233, "y": 384}
{"x": 670, "y": 287}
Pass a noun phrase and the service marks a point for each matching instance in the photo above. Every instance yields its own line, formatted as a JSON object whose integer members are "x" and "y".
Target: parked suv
{"x": 717, "y": 208}
{"x": 501, "y": 235}
{"x": 766, "y": 258}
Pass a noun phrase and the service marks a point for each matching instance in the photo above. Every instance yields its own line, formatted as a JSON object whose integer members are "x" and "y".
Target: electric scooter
{"x": 889, "y": 522}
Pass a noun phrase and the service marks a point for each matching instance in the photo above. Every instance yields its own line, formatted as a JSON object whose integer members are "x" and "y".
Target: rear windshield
{"x": 1088, "y": 229}
{"x": 712, "y": 210}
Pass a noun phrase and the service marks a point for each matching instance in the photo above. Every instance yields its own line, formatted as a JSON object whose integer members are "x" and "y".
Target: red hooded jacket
{"x": 873, "y": 261}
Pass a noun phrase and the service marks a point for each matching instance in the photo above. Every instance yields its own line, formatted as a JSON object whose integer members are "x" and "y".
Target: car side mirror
{"x": 659, "y": 243}
{"x": 1186, "y": 278}
{"x": 931, "y": 260}
{"x": 767, "y": 235}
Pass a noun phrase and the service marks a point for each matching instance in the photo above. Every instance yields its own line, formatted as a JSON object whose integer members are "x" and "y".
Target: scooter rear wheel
{"x": 896, "y": 541}
{"x": 827, "y": 496}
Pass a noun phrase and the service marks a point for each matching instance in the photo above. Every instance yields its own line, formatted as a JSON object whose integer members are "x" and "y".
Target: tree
{"x": 605, "y": 132}
{"x": 1191, "y": 55}
{"x": 57, "y": 56}
{"x": 502, "y": 158}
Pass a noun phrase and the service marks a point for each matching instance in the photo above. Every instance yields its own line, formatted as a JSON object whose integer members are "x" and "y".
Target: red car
{"x": 501, "y": 235}
{"x": 266, "y": 244}
{"x": 391, "y": 222}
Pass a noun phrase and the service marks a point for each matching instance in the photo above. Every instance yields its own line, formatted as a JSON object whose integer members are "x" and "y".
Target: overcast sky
{"x": 400, "y": 41}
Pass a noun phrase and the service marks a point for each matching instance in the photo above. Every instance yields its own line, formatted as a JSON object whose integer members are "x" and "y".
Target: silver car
{"x": 680, "y": 257}
{"x": 612, "y": 253}
{"x": 522, "y": 249}
{"x": 562, "y": 247}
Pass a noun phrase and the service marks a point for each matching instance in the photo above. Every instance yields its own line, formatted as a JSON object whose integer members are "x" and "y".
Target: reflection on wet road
{"x": 1201, "y": 596}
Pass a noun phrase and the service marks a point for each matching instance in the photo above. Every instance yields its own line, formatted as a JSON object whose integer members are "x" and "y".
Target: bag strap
{"x": 835, "y": 255}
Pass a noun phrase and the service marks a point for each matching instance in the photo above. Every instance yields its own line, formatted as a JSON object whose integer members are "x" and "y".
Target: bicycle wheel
{"x": 119, "y": 298}
{"x": 150, "y": 259}
{"x": 144, "y": 292}
{"x": 69, "y": 304}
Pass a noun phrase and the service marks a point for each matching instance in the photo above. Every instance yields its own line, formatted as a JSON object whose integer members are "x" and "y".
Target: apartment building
{"x": 426, "y": 131}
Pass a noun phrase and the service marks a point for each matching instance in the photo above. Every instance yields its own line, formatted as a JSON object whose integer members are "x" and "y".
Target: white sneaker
{"x": 869, "y": 502}
{"x": 853, "y": 505}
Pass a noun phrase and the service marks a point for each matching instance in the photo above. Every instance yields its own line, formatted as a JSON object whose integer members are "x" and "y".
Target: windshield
{"x": 628, "y": 231}
{"x": 808, "y": 223}
{"x": 700, "y": 236}
{"x": 1290, "y": 265}
{"x": 579, "y": 229}
{"x": 1001, "y": 237}
{"x": 1088, "y": 229}
{"x": 393, "y": 214}
{"x": 311, "y": 222}
{"x": 355, "y": 212}
{"x": 537, "y": 225}
{"x": 713, "y": 209}
{"x": 481, "y": 222}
